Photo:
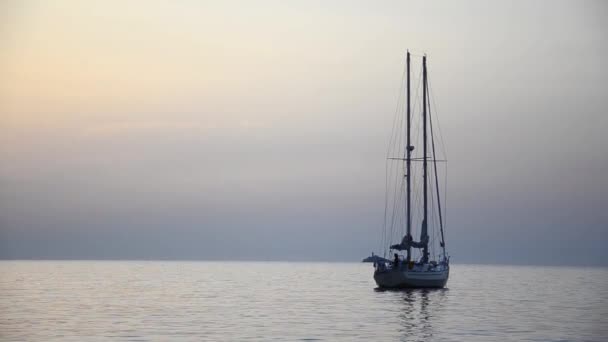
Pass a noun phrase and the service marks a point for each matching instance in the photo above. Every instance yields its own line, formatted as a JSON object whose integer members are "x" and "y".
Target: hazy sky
{"x": 242, "y": 130}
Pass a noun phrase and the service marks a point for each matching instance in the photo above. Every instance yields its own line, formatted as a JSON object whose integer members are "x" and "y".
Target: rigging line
{"x": 389, "y": 168}
{"x": 392, "y": 219}
{"x": 419, "y": 170}
{"x": 414, "y": 199}
{"x": 416, "y": 102}
{"x": 401, "y": 218}
{"x": 398, "y": 128}
{"x": 398, "y": 136}
{"x": 390, "y": 144}
{"x": 445, "y": 199}
{"x": 432, "y": 100}
{"x": 388, "y": 175}
{"x": 436, "y": 230}
{"x": 418, "y": 159}
{"x": 399, "y": 103}
{"x": 418, "y": 152}
{"x": 393, "y": 183}
{"x": 394, "y": 136}
{"x": 436, "y": 179}
{"x": 443, "y": 147}
{"x": 394, "y": 197}
{"x": 397, "y": 214}
{"x": 395, "y": 141}
{"x": 386, "y": 166}
{"x": 437, "y": 116}
{"x": 428, "y": 159}
{"x": 396, "y": 201}
{"x": 418, "y": 201}
{"x": 396, "y": 174}
{"x": 383, "y": 241}
{"x": 431, "y": 219}
{"x": 432, "y": 210}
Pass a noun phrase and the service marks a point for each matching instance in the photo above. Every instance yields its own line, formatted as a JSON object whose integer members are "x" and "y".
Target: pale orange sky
{"x": 67, "y": 60}
{"x": 190, "y": 120}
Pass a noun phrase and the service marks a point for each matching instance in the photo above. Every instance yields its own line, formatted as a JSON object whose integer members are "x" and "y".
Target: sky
{"x": 234, "y": 130}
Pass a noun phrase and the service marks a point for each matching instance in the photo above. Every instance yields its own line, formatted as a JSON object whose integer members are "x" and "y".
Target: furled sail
{"x": 407, "y": 240}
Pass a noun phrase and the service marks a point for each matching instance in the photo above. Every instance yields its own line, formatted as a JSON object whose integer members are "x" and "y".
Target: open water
{"x": 236, "y": 301}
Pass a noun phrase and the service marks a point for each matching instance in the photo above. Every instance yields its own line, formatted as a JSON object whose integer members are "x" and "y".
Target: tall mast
{"x": 408, "y": 165}
{"x": 423, "y": 233}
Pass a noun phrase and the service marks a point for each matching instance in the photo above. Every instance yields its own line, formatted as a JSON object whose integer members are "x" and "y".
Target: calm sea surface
{"x": 232, "y": 301}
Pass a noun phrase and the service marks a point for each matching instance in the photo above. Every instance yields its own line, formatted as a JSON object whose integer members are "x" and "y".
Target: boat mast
{"x": 408, "y": 166}
{"x": 423, "y": 233}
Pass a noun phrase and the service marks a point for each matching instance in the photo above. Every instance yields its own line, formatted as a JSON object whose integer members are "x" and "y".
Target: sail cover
{"x": 407, "y": 241}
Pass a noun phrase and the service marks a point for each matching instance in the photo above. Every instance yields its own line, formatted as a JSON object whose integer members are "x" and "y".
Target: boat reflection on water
{"x": 422, "y": 310}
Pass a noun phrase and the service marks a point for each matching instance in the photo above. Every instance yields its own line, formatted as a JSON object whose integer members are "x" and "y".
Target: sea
{"x": 294, "y": 301}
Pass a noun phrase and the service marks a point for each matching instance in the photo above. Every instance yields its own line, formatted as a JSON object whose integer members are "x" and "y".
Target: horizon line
{"x": 285, "y": 261}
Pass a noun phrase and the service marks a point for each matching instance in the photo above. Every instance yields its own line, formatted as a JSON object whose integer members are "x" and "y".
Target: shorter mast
{"x": 408, "y": 157}
{"x": 424, "y": 238}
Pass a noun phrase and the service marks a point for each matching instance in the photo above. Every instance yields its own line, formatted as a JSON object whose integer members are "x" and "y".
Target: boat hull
{"x": 404, "y": 278}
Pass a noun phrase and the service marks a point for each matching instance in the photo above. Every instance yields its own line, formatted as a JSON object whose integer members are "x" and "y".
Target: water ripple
{"x": 211, "y": 301}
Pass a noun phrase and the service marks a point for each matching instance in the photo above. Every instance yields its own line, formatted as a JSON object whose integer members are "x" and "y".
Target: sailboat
{"x": 425, "y": 269}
